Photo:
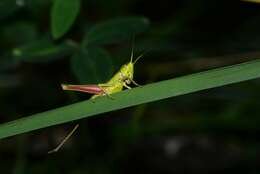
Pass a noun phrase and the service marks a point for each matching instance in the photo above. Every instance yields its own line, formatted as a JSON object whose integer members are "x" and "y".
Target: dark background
{"x": 212, "y": 131}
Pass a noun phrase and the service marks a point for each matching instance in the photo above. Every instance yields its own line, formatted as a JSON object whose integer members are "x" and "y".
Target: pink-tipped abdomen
{"x": 91, "y": 89}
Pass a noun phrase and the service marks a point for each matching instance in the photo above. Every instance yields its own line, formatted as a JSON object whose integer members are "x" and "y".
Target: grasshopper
{"x": 123, "y": 78}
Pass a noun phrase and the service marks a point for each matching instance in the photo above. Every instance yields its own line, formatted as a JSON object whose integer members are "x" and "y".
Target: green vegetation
{"x": 207, "y": 50}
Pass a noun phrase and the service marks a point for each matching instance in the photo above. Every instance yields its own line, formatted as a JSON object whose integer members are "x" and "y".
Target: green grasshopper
{"x": 123, "y": 78}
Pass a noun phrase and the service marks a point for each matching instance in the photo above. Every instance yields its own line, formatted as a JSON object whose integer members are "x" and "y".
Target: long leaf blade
{"x": 148, "y": 93}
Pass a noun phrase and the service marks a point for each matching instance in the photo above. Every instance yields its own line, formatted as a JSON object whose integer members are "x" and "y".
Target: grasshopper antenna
{"x": 138, "y": 58}
{"x": 132, "y": 51}
{"x": 64, "y": 140}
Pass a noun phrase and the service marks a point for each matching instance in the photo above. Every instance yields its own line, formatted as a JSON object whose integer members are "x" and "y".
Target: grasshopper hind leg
{"x": 56, "y": 149}
{"x": 109, "y": 96}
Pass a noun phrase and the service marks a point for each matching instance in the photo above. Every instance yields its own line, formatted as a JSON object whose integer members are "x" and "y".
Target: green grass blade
{"x": 148, "y": 93}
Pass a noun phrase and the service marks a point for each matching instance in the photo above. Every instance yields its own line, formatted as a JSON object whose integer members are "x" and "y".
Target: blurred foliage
{"x": 43, "y": 43}
{"x": 63, "y": 15}
{"x": 115, "y": 30}
{"x": 90, "y": 61}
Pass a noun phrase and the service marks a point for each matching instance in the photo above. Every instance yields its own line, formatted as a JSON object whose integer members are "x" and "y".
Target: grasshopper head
{"x": 127, "y": 71}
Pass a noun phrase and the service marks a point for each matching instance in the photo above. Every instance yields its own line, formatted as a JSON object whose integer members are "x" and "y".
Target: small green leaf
{"x": 92, "y": 65}
{"x": 116, "y": 30}
{"x": 63, "y": 15}
{"x": 43, "y": 50}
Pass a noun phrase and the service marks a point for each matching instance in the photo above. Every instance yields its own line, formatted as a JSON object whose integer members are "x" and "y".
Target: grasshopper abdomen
{"x": 91, "y": 89}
